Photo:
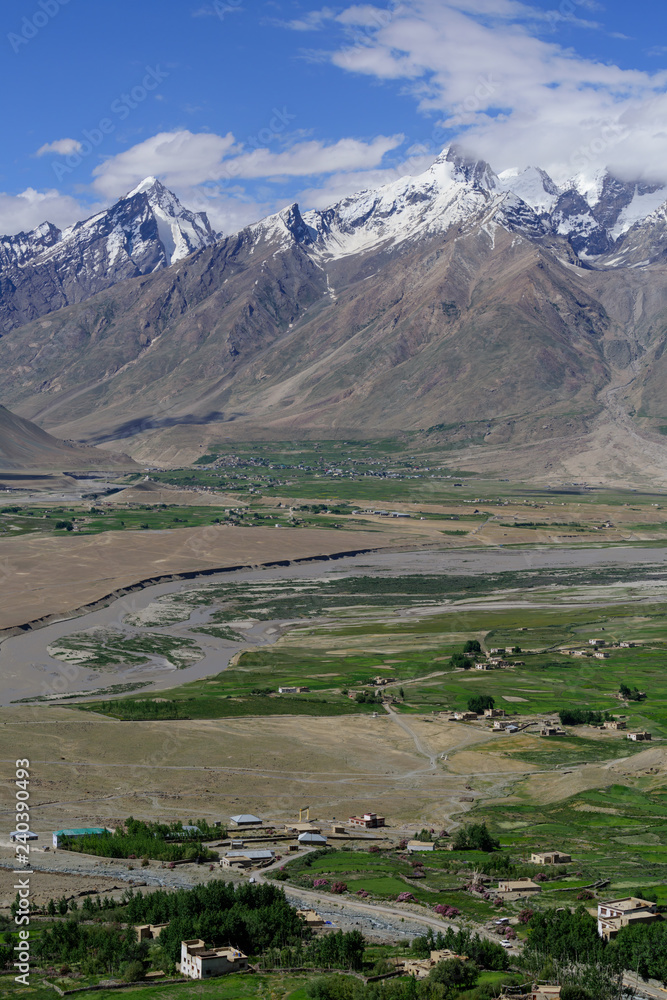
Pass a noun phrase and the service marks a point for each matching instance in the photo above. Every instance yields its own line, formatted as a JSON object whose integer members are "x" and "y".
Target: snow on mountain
{"x": 449, "y": 193}
{"x": 533, "y": 186}
{"x": 642, "y": 206}
{"x": 47, "y": 268}
{"x": 591, "y": 213}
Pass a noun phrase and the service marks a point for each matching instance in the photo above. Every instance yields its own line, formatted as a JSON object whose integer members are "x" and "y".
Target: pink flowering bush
{"x": 405, "y": 897}
{"x": 320, "y": 882}
{"x": 363, "y": 893}
{"x": 525, "y": 915}
{"x": 443, "y": 910}
{"x": 338, "y": 887}
{"x": 510, "y": 934}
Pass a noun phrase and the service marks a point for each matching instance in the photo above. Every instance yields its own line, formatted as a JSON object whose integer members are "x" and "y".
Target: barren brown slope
{"x": 261, "y": 336}
{"x": 250, "y": 334}
{"x": 56, "y": 576}
{"x": 24, "y": 445}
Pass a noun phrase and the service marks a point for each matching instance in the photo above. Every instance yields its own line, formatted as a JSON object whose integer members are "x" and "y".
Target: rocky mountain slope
{"x": 47, "y": 269}
{"x": 497, "y": 309}
{"x": 23, "y": 446}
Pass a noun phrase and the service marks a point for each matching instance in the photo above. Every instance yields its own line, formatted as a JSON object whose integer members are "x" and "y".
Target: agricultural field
{"x": 237, "y": 986}
{"x": 337, "y": 634}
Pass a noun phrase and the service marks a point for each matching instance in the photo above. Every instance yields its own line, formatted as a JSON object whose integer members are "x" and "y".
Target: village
{"x": 254, "y": 849}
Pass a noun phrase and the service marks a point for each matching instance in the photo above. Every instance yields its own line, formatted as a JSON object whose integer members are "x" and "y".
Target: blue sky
{"x": 242, "y": 106}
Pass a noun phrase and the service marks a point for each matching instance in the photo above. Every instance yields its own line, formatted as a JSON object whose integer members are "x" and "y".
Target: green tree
{"x": 472, "y": 646}
{"x": 475, "y": 837}
{"x": 478, "y": 702}
{"x": 455, "y": 974}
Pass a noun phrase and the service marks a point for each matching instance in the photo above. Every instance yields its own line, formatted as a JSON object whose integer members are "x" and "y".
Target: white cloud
{"x": 27, "y": 210}
{"x": 311, "y": 20}
{"x": 186, "y": 159}
{"x": 177, "y": 158}
{"x": 500, "y": 82}
{"x": 61, "y": 147}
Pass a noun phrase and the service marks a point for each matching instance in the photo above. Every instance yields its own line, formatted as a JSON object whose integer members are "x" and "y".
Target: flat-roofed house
{"x": 614, "y": 724}
{"x": 246, "y": 858}
{"x": 420, "y": 845}
{"x": 550, "y": 858}
{"x": 306, "y": 827}
{"x": 149, "y": 932}
{"x": 200, "y": 962}
{"x": 618, "y": 913}
{"x": 315, "y": 922}
{"x": 542, "y": 991}
{"x": 369, "y": 821}
{"x": 518, "y": 885}
{"x": 639, "y": 737}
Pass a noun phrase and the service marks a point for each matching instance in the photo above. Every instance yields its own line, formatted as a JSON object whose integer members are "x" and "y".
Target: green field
{"x": 236, "y": 986}
{"x": 345, "y": 631}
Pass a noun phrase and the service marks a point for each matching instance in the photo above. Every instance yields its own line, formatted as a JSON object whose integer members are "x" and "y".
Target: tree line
{"x": 158, "y": 841}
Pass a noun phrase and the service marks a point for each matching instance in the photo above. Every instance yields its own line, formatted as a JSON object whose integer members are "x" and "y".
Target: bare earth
{"x": 55, "y": 576}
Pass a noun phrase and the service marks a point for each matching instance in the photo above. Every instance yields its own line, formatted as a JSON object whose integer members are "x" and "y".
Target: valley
{"x": 353, "y": 512}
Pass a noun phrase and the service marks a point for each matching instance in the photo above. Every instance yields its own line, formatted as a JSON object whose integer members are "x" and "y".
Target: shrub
{"x": 338, "y": 888}
{"x": 405, "y": 897}
{"x": 133, "y": 971}
{"x": 525, "y": 915}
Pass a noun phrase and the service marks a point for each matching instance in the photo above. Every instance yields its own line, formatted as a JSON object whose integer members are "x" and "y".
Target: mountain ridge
{"x": 48, "y": 268}
{"x": 441, "y": 301}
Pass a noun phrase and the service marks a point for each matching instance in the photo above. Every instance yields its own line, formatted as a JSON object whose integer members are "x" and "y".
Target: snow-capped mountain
{"x": 504, "y": 306}
{"x": 49, "y": 268}
{"x": 456, "y": 191}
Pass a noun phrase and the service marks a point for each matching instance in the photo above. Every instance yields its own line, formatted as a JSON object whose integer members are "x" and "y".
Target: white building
{"x": 617, "y": 913}
{"x": 200, "y": 962}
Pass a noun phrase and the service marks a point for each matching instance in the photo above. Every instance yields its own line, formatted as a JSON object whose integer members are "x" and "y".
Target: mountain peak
{"x": 148, "y": 184}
